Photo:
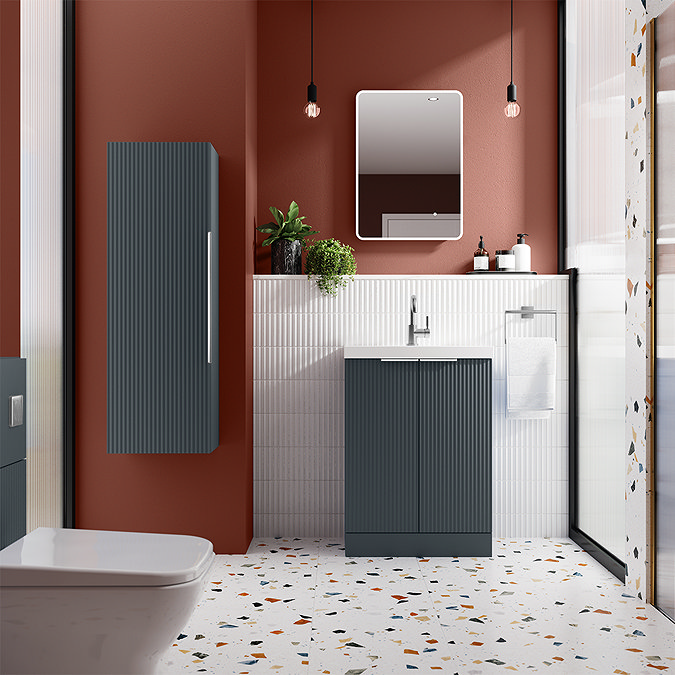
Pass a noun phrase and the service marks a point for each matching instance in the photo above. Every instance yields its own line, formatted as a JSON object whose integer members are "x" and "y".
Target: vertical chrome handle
{"x": 209, "y": 296}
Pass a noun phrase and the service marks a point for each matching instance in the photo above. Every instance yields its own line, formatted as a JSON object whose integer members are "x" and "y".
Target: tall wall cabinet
{"x": 162, "y": 298}
{"x": 418, "y": 441}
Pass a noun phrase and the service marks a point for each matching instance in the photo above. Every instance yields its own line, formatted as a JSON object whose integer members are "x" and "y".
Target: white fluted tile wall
{"x": 298, "y": 406}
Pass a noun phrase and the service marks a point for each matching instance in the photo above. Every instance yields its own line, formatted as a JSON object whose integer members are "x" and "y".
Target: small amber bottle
{"x": 481, "y": 258}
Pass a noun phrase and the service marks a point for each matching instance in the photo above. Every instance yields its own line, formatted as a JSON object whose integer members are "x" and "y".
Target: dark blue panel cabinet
{"x": 418, "y": 453}
{"x": 162, "y": 298}
{"x": 12, "y": 449}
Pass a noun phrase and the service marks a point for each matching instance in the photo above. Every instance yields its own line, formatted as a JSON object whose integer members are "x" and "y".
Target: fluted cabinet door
{"x": 162, "y": 298}
{"x": 455, "y": 446}
{"x": 12, "y": 502}
{"x": 381, "y": 459}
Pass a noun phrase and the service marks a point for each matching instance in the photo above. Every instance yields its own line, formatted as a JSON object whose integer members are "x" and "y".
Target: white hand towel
{"x": 530, "y": 375}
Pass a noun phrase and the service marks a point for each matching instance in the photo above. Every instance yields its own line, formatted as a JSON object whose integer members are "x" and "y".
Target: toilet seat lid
{"x": 51, "y": 556}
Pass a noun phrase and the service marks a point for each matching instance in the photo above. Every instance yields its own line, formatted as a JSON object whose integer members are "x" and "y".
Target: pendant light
{"x": 312, "y": 108}
{"x": 512, "y": 108}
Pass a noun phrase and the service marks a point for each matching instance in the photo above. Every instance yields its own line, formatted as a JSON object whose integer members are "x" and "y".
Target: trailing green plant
{"x": 331, "y": 262}
{"x": 289, "y": 226}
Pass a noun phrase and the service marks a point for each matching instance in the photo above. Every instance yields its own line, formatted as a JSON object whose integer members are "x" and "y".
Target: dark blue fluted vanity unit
{"x": 418, "y": 451}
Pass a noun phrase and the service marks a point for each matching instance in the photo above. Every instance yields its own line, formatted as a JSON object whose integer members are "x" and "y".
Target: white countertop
{"x": 434, "y": 353}
{"x": 519, "y": 277}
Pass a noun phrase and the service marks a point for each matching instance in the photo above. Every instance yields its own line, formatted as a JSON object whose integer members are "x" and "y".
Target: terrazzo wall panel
{"x": 298, "y": 406}
{"x": 638, "y": 297}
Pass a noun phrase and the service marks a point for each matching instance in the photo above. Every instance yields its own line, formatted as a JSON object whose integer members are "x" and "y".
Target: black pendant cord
{"x": 311, "y": 42}
{"x": 511, "y": 41}
{"x": 311, "y": 110}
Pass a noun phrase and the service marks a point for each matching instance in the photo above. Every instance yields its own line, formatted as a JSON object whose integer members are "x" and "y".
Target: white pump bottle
{"x": 523, "y": 254}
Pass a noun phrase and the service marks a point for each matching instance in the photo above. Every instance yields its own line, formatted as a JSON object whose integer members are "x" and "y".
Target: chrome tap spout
{"x": 413, "y": 331}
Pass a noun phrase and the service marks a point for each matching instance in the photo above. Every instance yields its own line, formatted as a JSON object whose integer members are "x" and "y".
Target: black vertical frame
{"x": 573, "y": 399}
{"x": 68, "y": 402}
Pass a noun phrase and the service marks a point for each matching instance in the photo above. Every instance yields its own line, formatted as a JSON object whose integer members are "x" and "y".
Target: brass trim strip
{"x": 651, "y": 315}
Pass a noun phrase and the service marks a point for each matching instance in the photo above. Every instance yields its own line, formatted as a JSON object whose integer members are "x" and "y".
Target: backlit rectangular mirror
{"x": 409, "y": 164}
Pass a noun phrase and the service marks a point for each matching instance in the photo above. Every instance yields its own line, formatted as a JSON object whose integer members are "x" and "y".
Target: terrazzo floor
{"x": 537, "y": 605}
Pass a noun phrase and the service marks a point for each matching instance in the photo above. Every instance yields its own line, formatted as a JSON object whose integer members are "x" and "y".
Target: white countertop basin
{"x": 424, "y": 352}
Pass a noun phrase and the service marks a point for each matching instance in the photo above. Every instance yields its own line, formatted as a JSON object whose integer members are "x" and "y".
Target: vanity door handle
{"x": 444, "y": 360}
{"x": 399, "y": 359}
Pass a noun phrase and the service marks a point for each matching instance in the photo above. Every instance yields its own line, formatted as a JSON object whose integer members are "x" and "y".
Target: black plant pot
{"x": 286, "y": 257}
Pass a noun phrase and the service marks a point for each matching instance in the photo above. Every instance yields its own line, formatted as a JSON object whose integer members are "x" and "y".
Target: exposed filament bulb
{"x": 512, "y": 109}
{"x": 312, "y": 109}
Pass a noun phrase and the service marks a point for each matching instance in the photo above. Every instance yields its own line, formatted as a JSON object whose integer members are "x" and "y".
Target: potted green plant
{"x": 286, "y": 235}
{"x": 331, "y": 262}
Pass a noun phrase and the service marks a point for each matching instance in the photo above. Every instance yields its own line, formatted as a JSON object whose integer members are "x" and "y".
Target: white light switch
{"x": 16, "y": 411}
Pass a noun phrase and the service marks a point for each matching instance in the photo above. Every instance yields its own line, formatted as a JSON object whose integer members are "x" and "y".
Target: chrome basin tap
{"x": 413, "y": 332}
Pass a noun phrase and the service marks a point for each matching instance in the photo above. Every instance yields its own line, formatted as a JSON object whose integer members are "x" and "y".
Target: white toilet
{"x": 96, "y": 602}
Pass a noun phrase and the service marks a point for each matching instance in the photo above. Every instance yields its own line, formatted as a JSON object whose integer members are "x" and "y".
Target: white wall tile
{"x": 276, "y": 525}
{"x": 298, "y": 496}
{"x": 298, "y": 463}
{"x": 299, "y": 392}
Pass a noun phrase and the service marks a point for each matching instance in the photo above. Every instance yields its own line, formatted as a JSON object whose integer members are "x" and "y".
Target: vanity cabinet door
{"x": 12, "y": 502}
{"x": 381, "y": 441}
{"x": 455, "y": 446}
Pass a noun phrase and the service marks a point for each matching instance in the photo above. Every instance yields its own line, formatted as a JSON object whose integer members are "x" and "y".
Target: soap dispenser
{"x": 523, "y": 254}
{"x": 481, "y": 258}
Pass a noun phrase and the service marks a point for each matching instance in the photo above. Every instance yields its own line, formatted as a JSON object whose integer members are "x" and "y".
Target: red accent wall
{"x": 167, "y": 70}
{"x": 10, "y": 200}
{"x": 235, "y": 73}
{"x": 510, "y": 166}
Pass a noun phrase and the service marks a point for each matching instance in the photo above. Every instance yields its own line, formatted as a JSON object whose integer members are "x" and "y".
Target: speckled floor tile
{"x": 300, "y": 606}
